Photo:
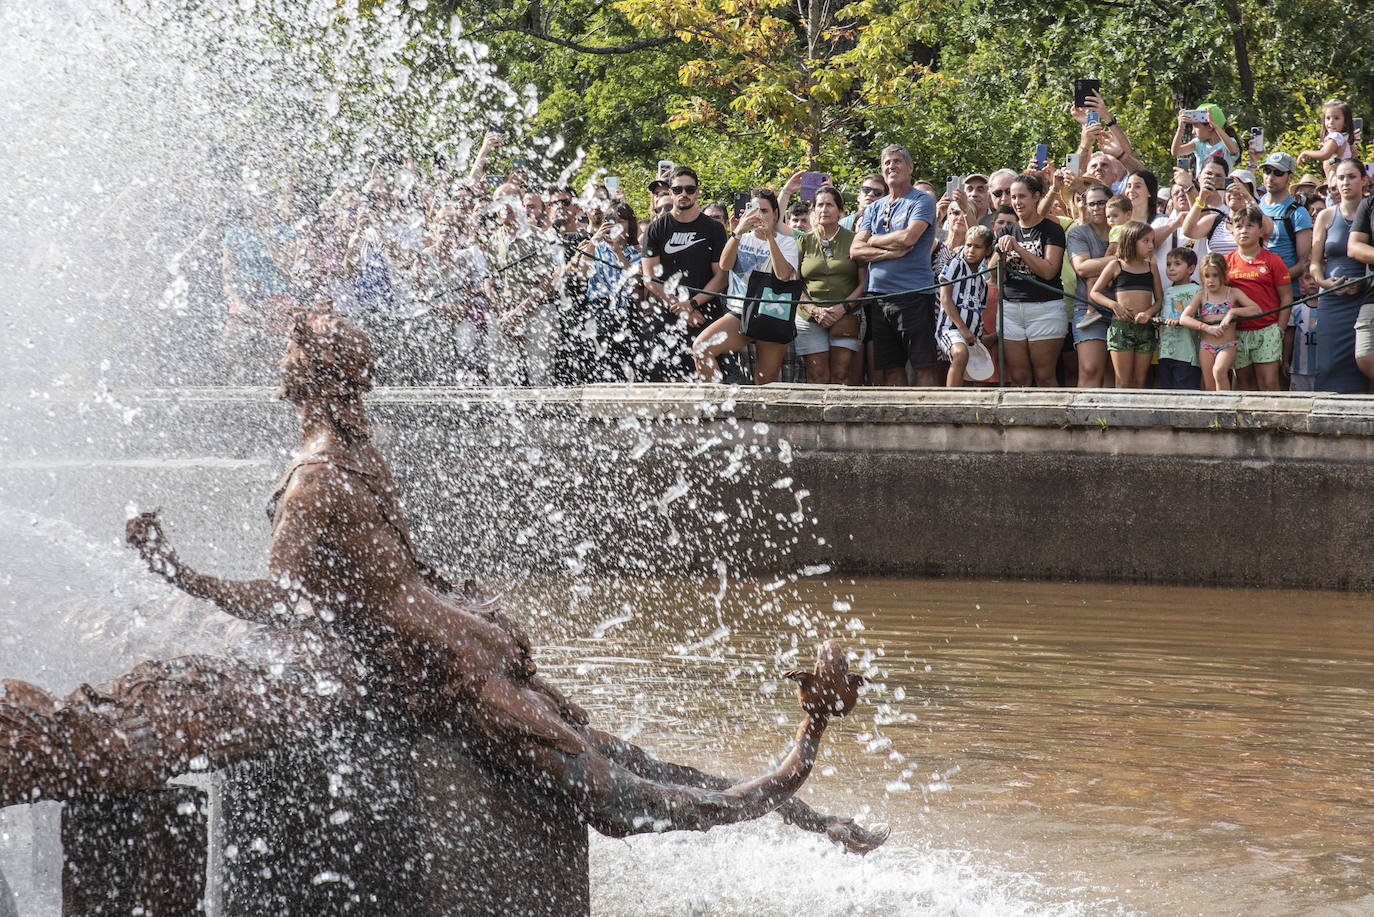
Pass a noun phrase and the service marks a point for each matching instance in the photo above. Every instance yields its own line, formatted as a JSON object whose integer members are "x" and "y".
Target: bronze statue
{"x": 371, "y": 620}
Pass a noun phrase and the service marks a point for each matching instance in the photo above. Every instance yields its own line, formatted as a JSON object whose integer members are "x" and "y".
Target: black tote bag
{"x": 770, "y": 309}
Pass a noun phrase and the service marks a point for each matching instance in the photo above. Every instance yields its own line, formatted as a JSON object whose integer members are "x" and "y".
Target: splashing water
{"x": 127, "y": 127}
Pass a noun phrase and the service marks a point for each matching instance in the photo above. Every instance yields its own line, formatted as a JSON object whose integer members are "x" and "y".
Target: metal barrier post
{"x": 1001, "y": 346}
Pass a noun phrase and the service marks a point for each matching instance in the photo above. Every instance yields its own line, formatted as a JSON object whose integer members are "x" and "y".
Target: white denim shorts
{"x": 813, "y": 338}
{"x": 1034, "y": 321}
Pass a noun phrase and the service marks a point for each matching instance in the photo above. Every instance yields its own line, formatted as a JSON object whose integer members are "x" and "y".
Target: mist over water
{"x": 126, "y": 129}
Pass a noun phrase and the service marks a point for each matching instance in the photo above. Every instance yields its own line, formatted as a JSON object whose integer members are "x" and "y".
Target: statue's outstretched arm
{"x": 843, "y": 831}
{"x": 619, "y": 790}
{"x": 260, "y": 600}
{"x": 270, "y": 601}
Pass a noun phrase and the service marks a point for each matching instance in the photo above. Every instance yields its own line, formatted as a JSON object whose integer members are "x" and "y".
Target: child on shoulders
{"x": 1338, "y": 135}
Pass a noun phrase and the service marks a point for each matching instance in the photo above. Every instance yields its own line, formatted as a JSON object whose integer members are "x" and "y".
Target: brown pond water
{"x": 1036, "y": 748}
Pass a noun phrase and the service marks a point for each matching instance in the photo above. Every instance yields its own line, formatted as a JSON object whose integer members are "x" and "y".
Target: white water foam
{"x": 766, "y": 869}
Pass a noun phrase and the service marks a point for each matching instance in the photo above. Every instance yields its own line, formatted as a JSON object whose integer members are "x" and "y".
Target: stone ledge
{"x": 1290, "y": 412}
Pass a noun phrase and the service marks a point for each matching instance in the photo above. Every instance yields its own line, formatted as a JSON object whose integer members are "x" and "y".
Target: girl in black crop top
{"x": 1130, "y": 287}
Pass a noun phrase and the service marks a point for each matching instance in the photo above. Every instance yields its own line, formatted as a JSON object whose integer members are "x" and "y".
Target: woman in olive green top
{"x": 828, "y": 336}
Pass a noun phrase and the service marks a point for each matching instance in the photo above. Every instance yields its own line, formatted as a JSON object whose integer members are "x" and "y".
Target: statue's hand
{"x": 144, "y": 534}
{"x": 856, "y": 839}
{"x": 829, "y": 689}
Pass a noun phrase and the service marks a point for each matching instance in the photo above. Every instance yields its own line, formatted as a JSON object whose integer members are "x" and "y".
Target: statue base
{"x": 360, "y": 824}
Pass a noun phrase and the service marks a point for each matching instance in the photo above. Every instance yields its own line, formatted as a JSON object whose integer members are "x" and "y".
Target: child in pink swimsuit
{"x": 1213, "y": 312}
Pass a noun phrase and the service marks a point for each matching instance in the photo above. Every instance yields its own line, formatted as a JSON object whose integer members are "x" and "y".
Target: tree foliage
{"x": 751, "y": 89}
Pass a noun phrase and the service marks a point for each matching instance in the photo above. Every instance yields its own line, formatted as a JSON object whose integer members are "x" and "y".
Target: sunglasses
{"x": 1268, "y": 171}
{"x": 684, "y": 189}
{"x": 1102, "y": 203}
{"x": 1002, "y": 192}
{"x": 871, "y": 191}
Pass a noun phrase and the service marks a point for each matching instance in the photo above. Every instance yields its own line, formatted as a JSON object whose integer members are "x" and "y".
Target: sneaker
{"x": 1087, "y": 320}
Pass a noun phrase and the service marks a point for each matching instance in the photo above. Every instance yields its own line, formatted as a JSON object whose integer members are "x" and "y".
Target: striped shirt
{"x": 970, "y": 294}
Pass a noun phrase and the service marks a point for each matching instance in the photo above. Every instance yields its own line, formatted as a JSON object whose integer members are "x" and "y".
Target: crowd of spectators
{"x": 1091, "y": 270}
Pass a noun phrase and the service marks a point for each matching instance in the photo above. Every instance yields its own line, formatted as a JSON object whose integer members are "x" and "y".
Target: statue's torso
{"x": 373, "y": 592}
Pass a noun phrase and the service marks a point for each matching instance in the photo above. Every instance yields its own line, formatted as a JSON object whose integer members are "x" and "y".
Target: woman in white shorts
{"x": 757, "y": 244}
{"x": 1033, "y": 319}
{"x": 828, "y": 336}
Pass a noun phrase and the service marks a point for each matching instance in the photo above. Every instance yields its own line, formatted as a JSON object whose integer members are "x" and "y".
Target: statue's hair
{"x": 340, "y": 367}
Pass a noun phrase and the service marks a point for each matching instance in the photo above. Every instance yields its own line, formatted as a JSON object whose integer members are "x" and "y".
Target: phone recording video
{"x": 811, "y": 182}
{"x": 1082, "y": 88}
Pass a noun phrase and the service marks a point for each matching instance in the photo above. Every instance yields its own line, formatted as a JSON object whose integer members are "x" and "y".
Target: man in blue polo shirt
{"x": 895, "y": 236}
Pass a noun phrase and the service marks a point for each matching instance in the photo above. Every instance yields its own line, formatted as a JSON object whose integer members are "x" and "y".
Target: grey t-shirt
{"x": 1084, "y": 240}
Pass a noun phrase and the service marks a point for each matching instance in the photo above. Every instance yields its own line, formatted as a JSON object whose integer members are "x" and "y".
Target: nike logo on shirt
{"x": 680, "y": 242}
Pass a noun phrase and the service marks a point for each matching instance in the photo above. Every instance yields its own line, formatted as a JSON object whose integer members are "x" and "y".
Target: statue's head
{"x": 328, "y": 361}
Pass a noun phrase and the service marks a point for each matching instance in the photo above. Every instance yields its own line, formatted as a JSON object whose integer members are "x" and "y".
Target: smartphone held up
{"x": 1084, "y": 87}
{"x": 811, "y": 182}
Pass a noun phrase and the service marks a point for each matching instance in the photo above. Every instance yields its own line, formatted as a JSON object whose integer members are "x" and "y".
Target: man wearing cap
{"x": 976, "y": 187}
{"x": 1292, "y": 237}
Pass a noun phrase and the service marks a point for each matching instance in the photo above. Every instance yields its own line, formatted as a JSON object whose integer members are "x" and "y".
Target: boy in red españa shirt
{"x": 1262, "y": 276}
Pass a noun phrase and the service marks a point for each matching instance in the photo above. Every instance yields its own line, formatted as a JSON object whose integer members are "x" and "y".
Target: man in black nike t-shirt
{"x": 682, "y": 273}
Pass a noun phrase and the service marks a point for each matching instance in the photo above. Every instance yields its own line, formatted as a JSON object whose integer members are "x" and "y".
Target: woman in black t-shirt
{"x": 1034, "y": 321}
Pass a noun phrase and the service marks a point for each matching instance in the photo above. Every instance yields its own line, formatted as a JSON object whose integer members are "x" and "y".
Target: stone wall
{"x": 1240, "y": 489}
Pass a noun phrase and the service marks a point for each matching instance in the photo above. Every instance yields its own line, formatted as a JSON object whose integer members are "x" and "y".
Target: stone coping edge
{"x": 1321, "y": 414}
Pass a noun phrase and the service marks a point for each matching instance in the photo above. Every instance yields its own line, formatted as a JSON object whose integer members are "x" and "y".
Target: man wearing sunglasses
{"x": 895, "y": 237}
{"x": 999, "y": 194}
{"x": 682, "y": 273}
{"x": 872, "y": 189}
